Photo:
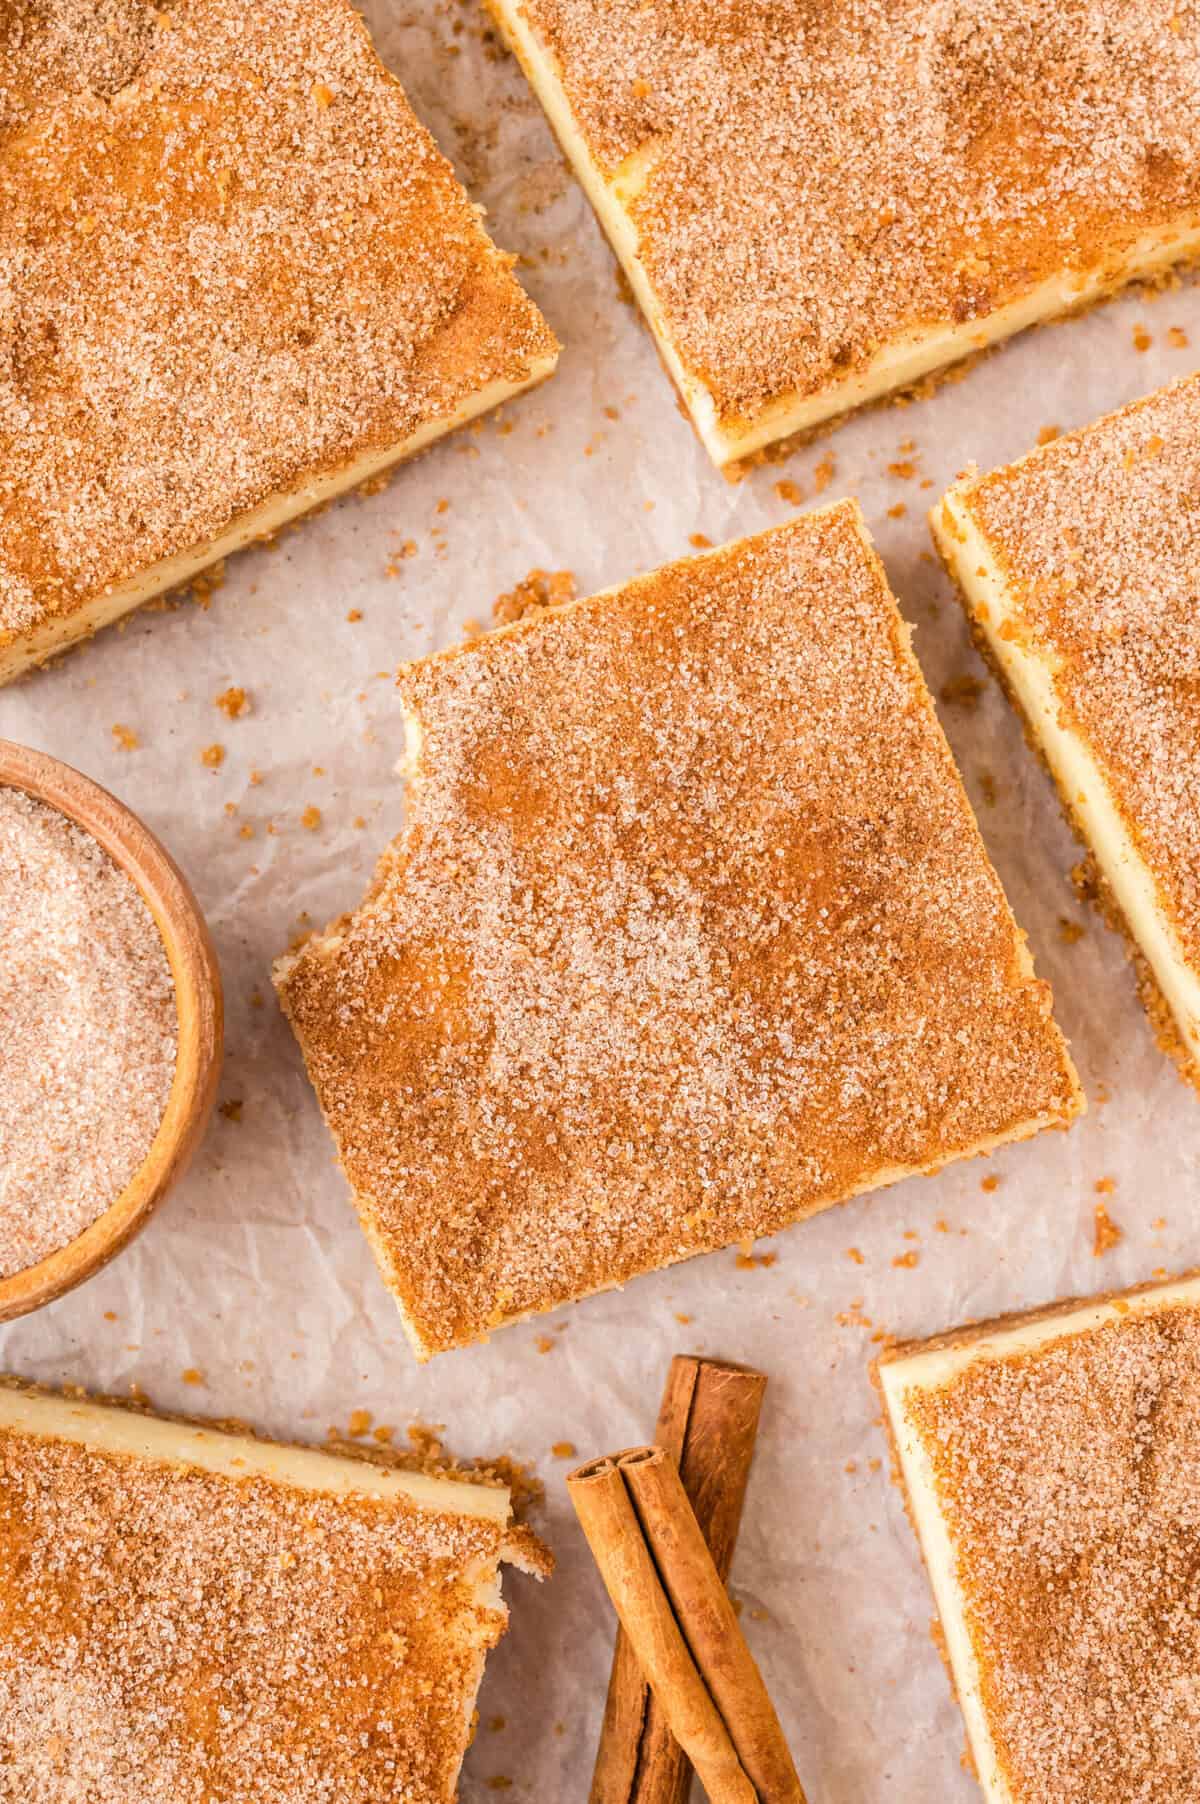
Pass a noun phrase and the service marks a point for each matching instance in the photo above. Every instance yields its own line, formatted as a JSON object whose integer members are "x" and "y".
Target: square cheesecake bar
{"x": 1051, "y": 1464}
{"x": 1079, "y": 566}
{"x": 691, "y": 932}
{"x": 236, "y": 278}
{"x": 187, "y": 1612}
{"x": 816, "y": 205}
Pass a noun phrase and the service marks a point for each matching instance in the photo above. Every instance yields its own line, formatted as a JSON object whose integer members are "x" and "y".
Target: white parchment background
{"x": 255, "y": 1273}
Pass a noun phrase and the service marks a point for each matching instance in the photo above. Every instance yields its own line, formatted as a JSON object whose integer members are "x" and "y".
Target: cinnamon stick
{"x": 607, "y": 1516}
{"x": 707, "y": 1422}
{"x": 709, "y": 1624}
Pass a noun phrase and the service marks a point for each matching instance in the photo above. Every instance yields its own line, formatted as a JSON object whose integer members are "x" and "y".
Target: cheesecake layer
{"x": 1076, "y": 566}
{"x": 1049, "y": 1466}
{"x": 193, "y": 1611}
{"x": 793, "y": 260}
{"x": 239, "y": 277}
{"x": 690, "y": 934}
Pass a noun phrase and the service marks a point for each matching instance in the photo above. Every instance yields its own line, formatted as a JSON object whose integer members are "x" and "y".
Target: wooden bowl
{"x": 200, "y": 1020}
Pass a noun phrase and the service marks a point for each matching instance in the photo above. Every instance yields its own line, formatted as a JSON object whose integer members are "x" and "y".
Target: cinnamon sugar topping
{"x": 1098, "y": 536}
{"x": 1068, "y": 1477}
{"x": 88, "y": 1040}
{"x": 231, "y": 261}
{"x": 172, "y": 1633}
{"x": 810, "y": 182}
{"x": 691, "y": 933}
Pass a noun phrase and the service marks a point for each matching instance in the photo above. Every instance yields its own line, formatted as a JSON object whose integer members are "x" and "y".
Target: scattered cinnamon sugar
{"x": 539, "y": 590}
{"x": 87, "y": 1055}
{"x": 1107, "y": 1234}
{"x": 233, "y": 702}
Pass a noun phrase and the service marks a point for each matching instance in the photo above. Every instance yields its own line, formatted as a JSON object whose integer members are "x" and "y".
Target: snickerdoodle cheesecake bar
{"x": 1050, "y": 1466}
{"x": 189, "y": 1612}
{"x": 236, "y": 278}
{"x": 816, "y": 205}
{"x": 1078, "y": 568}
{"x": 691, "y": 932}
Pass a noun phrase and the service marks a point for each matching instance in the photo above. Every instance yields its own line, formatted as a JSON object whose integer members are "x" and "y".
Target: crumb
{"x": 544, "y": 1344}
{"x": 563, "y": 1450}
{"x": 1070, "y": 932}
{"x": 310, "y": 820}
{"x": 855, "y": 1254}
{"x": 354, "y": 614}
{"x": 824, "y": 473}
{"x": 359, "y": 1423}
{"x": 1141, "y": 339}
{"x": 1108, "y": 1234}
{"x": 906, "y": 1261}
{"x": 700, "y": 540}
{"x": 231, "y": 1108}
{"x": 990, "y": 1183}
{"x": 233, "y": 702}
{"x": 683, "y": 1320}
{"x": 962, "y": 691}
{"x": 1048, "y": 434}
{"x": 1177, "y": 338}
{"x": 125, "y": 737}
{"x": 213, "y": 756}
{"x": 789, "y": 491}
{"x": 987, "y": 787}
{"x": 192, "y": 1376}
{"x": 1105, "y": 1186}
{"x": 496, "y": 1723}
{"x": 898, "y": 511}
{"x": 538, "y": 590}
{"x": 905, "y": 469}
{"x": 384, "y": 1434}
{"x": 941, "y": 1226}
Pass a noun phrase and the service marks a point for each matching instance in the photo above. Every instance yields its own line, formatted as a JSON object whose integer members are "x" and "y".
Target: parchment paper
{"x": 255, "y": 1273}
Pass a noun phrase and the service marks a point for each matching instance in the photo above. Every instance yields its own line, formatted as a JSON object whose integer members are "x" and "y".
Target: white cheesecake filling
{"x": 1074, "y": 764}
{"x": 107, "y": 1428}
{"x": 897, "y": 364}
{"x": 929, "y": 1371}
{"x": 58, "y": 631}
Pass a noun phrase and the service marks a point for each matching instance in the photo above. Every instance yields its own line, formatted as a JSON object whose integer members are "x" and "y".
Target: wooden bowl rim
{"x": 199, "y": 1010}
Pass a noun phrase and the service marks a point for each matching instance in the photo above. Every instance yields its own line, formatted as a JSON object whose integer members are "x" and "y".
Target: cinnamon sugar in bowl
{"x": 110, "y": 1027}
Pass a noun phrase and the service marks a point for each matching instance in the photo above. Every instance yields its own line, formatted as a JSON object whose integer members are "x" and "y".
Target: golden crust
{"x": 233, "y": 266}
{"x": 691, "y": 933}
